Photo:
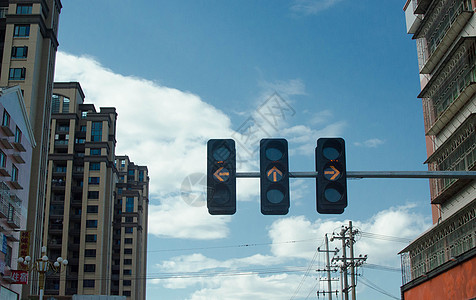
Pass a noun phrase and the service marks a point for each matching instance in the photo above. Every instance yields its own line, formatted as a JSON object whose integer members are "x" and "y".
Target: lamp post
{"x": 42, "y": 266}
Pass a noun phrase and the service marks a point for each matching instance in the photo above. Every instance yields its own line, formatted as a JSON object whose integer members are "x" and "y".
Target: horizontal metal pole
{"x": 379, "y": 174}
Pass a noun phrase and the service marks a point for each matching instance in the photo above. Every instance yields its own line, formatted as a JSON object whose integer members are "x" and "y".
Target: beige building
{"x": 129, "y": 258}
{"x": 441, "y": 262}
{"x": 92, "y": 220}
{"x": 28, "y": 43}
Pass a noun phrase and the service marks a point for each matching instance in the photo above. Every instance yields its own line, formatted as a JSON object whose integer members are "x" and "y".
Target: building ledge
{"x": 19, "y": 147}
{"x": 6, "y": 143}
{"x": 17, "y": 157}
{"x": 421, "y": 6}
{"x": 446, "y": 42}
{"x": 16, "y": 185}
{"x": 452, "y": 109}
{"x": 4, "y": 172}
{"x": 7, "y": 130}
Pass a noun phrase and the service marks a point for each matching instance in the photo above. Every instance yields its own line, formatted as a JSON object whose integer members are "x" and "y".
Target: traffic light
{"x": 274, "y": 176}
{"x": 221, "y": 177}
{"x": 331, "y": 183}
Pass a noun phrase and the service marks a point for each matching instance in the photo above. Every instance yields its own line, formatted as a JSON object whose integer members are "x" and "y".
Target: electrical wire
{"x": 377, "y": 236}
{"x": 233, "y": 246}
{"x": 375, "y": 287}
{"x": 306, "y": 274}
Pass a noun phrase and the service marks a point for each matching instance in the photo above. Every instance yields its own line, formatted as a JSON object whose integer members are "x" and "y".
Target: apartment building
{"x": 16, "y": 146}
{"x": 441, "y": 262}
{"x": 80, "y": 193}
{"x": 96, "y": 203}
{"x": 129, "y": 258}
{"x": 28, "y": 44}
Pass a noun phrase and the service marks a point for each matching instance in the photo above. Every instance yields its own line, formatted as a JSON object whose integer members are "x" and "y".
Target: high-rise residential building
{"x": 96, "y": 203}
{"x": 129, "y": 258}
{"x": 16, "y": 146}
{"x": 441, "y": 262}
{"x": 80, "y": 193}
{"x": 28, "y": 44}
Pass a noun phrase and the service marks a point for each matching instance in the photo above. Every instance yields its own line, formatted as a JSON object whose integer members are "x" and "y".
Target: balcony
{"x": 440, "y": 245}
{"x": 420, "y": 6}
{"x": 457, "y": 154}
{"x": 18, "y": 159}
{"x": 439, "y": 30}
{"x": 14, "y": 218}
{"x": 451, "y": 87}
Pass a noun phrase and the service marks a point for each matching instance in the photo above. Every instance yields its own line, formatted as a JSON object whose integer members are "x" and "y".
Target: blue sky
{"x": 182, "y": 72}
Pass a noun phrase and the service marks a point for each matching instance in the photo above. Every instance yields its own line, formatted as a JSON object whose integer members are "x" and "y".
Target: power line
{"x": 375, "y": 287}
{"x": 384, "y": 237}
{"x": 233, "y": 246}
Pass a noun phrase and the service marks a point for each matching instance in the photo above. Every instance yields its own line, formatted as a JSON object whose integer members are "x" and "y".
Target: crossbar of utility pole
{"x": 379, "y": 174}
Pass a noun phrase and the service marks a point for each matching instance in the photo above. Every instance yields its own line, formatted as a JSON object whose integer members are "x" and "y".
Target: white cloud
{"x": 294, "y": 242}
{"x": 167, "y": 129}
{"x": 311, "y": 7}
{"x": 370, "y": 143}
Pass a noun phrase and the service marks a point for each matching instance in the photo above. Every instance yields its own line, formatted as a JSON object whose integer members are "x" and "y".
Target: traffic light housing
{"x": 331, "y": 182}
{"x": 221, "y": 177}
{"x": 274, "y": 176}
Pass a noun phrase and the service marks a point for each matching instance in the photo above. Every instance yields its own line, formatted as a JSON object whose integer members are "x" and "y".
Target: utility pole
{"x": 348, "y": 239}
{"x": 352, "y": 265}
{"x": 327, "y": 269}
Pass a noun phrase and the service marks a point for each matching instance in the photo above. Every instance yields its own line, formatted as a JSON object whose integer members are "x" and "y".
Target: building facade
{"x": 129, "y": 258}
{"x": 97, "y": 210}
{"x": 442, "y": 260}
{"x": 16, "y": 147}
{"x": 28, "y": 40}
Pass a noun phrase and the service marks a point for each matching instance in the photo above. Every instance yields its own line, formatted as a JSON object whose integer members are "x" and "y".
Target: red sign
{"x": 19, "y": 277}
{"x": 24, "y": 248}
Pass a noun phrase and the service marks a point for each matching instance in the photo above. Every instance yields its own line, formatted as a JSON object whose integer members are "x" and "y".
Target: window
{"x": 95, "y": 151}
{"x": 17, "y": 135}
{"x": 55, "y": 104}
{"x": 141, "y": 175}
{"x": 14, "y": 173}
{"x": 92, "y": 209}
{"x": 94, "y": 166}
{"x": 8, "y": 256}
{"x": 130, "y": 173}
{"x": 84, "y": 114}
{"x": 3, "y": 159}
{"x": 24, "y": 9}
{"x": 96, "y": 132}
{"x": 66, "y": 105}
{"x": 91, "y": 238}
{"x": 91, "y": 223}
{"x": 129, "y": 204}
{"x": 127, "y": 272}
{"x": 21, "y": 31}
{"x": 93, "y": 180}
{"x": 93, "y": 194}
{"x": 17, "y": 74}
{"x": 127, "y": 283}
{"x": 19, "y": 52}
{"x": 90, "y": 253}
{"x": 127, "y": 261}
{"x": 89, "y": 268}
{"x": 128, "y": 241}
{"x": 88, "y": 283}
{"x": 129, "y": 229}
{"x": 6, "y": 119}
{"x": 126, "y": 293}
{"x": 129, "y": 219}
{"x": 83, "y": 128}
{"x": 127, "y": 250}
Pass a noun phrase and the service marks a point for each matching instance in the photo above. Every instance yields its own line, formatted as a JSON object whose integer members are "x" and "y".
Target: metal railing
{"x": 443, "y": 243}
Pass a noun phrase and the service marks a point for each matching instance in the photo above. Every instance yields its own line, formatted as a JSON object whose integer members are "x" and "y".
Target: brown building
{"x": 441, "y": 262}
{"x": 28, "y": 44}
{"x": 97, "y": 212}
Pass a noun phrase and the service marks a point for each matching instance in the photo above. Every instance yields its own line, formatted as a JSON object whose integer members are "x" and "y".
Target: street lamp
{"x": 42, "y": 265}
